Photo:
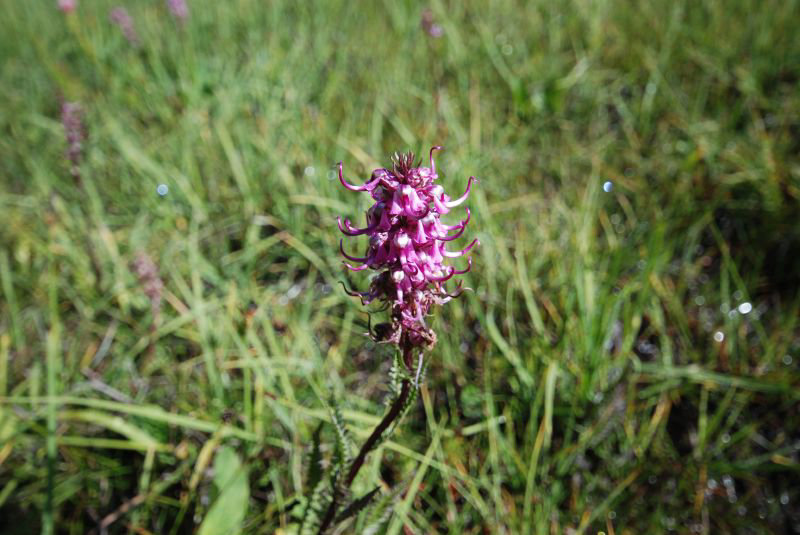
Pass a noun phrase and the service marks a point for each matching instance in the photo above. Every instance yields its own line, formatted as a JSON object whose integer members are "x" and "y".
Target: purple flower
{"x": 147, "y": 273}
{"x": 67, "y": 6}
{"x": 74, "y": 131}
{"x": 179, "y": 9}
{"x": 407, "y": 246}
{"x": 430, "y": 26}
{"x": 120, "y": 17}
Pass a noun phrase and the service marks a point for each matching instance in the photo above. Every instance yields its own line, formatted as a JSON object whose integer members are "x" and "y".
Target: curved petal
{"x": 366, "y": 187}
{"x": 458, "y": 291}
{"x": 442, "y": 278}
{"x": 441, "y": 207}
{"x": 433, "y": 166}
{"x": 350, "y": 292}
{"x": 469, "y": 266}
{"x": 463, "y": 198}
{"x": 418, "y": 280}
{"x": 417, "y": 215}
{"x": 412, "y": 203}
{"x": 460, "y": 224}
{"x": 454, "y": 236}
{"x": 378, "y": 256}
{"x": 359, "y": 268}
{"x": 385, "y": 224}
{"x": 463, "y": 251}
{"x": 421, "y": 320}
{"x": 389, "y": 184}
{"x": 409, "y": 268}
{"x": 396, "y": 204}
{"x": 350, "y": 230}
{"x": 347, "y": 256}
{"x": 419, "y": 235}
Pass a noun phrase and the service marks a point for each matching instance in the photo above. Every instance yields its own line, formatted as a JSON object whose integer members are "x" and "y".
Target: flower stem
{"x": 390, "y": 417}
{"x": 395, "y": 411}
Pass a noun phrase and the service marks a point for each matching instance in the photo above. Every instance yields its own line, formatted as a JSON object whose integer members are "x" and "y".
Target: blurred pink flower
{"x": 147, "y": 272}
{"x": 67, "y": 6}
{"x": 75, "y": 132}
{"x": 120, "y": 16}
{"x": 430, "y": 26}
{"x": 179, "y": 9}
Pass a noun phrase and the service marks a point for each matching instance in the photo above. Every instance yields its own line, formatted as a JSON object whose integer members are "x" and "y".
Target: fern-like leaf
{"x": 396, "y": 374}
{"x": 315, "y": 470}
{"x": 315, "y": 508}
{"x": 381, "y": 511}
{"x": 357, "y": 506}
{"x": 344, "y": 444}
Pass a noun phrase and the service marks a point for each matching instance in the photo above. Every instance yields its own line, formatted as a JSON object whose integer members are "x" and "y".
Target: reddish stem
{"x": 372, "y": 441}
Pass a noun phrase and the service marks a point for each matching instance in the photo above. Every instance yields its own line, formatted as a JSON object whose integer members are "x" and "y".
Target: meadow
{"x": 626, "y": 361}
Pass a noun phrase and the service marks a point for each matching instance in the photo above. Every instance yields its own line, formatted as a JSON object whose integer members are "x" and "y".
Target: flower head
{"x": 72, "y": 120}
{"x": 67, "y": 6}
{"x": 147, "y": 272}
{"x": 179, "y": 9}
{"x": 430, "y": 25}
{"x": 407, "y": 246}
{"x": 121, "y": 17}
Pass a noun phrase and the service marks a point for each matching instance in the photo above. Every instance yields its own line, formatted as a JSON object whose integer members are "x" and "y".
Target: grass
{"x": 600, "y": 377}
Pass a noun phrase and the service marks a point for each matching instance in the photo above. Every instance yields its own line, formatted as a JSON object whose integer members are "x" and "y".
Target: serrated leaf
{"x": 317, "y": 503}
{"x": 357, "y": 506}
{"x": 376, "y": 523}
{"x": 396, "y": 374}
{"x": 315, "y": 459}
{"x": 227, "y": 513}
{"x": 381, "y": 511}
{"x": 343, "y": 451}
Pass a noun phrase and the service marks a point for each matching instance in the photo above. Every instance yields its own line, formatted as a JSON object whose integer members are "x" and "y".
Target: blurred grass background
{"x": 627, "y": 362}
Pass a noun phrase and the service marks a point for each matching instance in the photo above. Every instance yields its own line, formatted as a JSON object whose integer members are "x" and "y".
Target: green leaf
{"x": 396, "y": 374}
{"x": 314, "y": 511}
{"x": 382, "y": 510}
{"x": 115, "y": 423}
{"x": 227, "y": 513}
{"x": 357, "y": 506}
{"x": 344, "y": 448}
{"x": 315, "y": 459}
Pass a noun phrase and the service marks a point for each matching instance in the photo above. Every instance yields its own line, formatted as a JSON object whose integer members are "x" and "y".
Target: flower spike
{"x": 406, "y": 246}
